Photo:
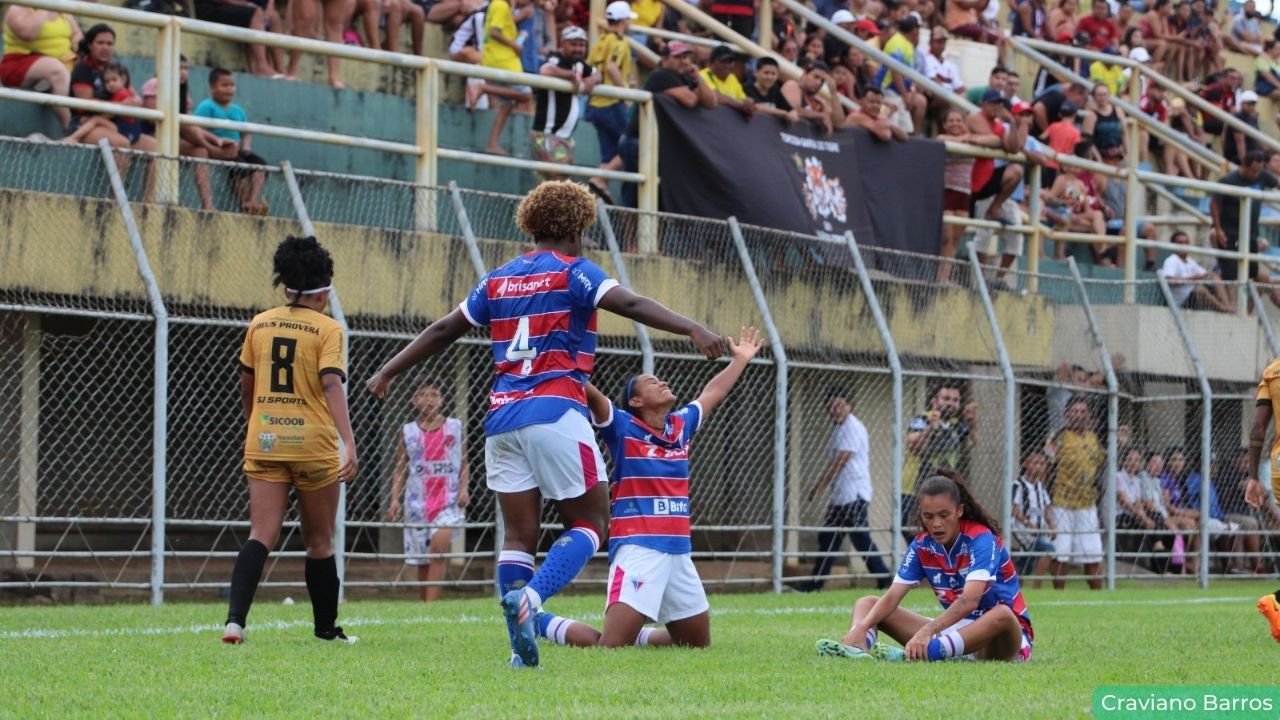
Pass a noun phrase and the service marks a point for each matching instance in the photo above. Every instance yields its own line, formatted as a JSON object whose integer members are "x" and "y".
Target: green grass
{"x": 449, "y": 660}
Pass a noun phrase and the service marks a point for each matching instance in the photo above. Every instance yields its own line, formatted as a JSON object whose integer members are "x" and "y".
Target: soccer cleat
{"x": 337, "y": 636}
{"x": 520, "y": 615}
{"x": 888, "y": 653}
{"x": 1270, "y": 609}
{"x": 831, "y": 648}
{"x": 232, "y": 634}
{"x": 517, "y": 663}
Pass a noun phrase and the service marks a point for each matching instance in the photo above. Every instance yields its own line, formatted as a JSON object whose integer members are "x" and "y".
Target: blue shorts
{"x": 610, "y": 122}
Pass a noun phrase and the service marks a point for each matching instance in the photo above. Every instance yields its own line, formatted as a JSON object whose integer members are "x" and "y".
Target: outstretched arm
{"x": 598, "y": 404}
{"x": 622, "y": 301}
{"x": 743, "y": 351}
{"x": 438, "y": 336}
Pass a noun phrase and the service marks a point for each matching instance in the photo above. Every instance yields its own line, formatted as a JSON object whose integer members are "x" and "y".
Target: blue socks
{"x": 515, "y": 569}
{"x": 946, "y": 646}
{"x": 565, "y": 560}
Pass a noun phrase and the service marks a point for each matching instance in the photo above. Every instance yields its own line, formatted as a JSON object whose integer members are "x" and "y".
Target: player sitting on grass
{"x": 540, "y": 309}
{"x": 651, "y": 572}
{"x": 961, "y": 556}
{"x": 432, "y": 454}
{"x": 291, "y": 376}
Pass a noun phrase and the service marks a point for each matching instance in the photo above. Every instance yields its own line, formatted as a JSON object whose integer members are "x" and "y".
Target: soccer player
{"x": 433, "y": 454}
{"x": 651, "y": 572}
{"x": 540, "y": 309}
{"x": 291, "y": 376}
{"x": 1255, "y": 494}
{"x": 960, "y": 554}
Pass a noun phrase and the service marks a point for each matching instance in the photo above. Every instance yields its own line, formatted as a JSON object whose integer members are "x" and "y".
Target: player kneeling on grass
{"x": 291, "y": 376}
{"x": 961, "y": 556}
{"x": 651, "y": 572}
{"x": 432, "y": 453}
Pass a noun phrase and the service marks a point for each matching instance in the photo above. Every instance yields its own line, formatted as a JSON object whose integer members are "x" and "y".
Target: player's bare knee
{"x": 865, "y": 603}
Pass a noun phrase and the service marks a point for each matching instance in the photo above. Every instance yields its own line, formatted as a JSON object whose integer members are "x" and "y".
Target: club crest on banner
{"x": 823, "y": 195}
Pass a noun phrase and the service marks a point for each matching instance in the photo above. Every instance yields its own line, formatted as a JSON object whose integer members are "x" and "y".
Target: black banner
{"x": 715, "y": 164}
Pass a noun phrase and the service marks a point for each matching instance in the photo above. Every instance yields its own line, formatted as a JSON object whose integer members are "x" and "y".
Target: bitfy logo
{"x": 823, "y": 196}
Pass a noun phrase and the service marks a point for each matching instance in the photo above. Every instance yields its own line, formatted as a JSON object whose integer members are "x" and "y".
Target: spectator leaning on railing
{"x": 805, "y": 95}
{"x": 766, "y": 91}
{"x": 555, "y": 113}
{"x": 39, "y": 51}
{"x": 720, "y": 76}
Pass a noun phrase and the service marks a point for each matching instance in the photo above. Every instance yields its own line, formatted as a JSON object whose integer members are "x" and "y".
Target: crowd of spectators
{"x": 817, "y": 78}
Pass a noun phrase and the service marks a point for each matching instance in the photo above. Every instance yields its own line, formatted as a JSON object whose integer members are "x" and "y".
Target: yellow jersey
{"x": 610, "y": 47}
{"x": 730, "y": 86}
{"x": 54, "y": 40}
{"x": 288, "y": 350}
{"x": 1078, "y": 458}
{"x": 1269, "y": 391}
{"x": 495, "y": 54}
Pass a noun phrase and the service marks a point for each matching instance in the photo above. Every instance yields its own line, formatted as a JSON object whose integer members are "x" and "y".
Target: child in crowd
{"x": 116, "y": 80}
{"x": 221, "y": 105}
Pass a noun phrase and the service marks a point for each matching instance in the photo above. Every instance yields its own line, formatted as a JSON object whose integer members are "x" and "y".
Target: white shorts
{"x": 1010, "y": 243}
{"x": 560, "y": 459}
{"x": 417, "y": 540}
{"x": 661, "y": 586}
{"x": 1078, "y": 540}
{"x": 1024, "y": 652}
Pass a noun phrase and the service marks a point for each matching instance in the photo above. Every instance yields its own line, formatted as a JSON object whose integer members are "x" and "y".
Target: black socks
{"x": 322, "y": 585}
{"x": 244, "y": 580}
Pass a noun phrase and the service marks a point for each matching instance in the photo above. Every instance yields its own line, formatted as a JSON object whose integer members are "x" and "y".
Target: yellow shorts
{"x": 305, "y": 475}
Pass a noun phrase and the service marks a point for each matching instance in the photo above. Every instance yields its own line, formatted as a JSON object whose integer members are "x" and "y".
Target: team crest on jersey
{"x": 449, "y": 441}
{"x": 637, "y": 583}
{"x": 266, "y": 442}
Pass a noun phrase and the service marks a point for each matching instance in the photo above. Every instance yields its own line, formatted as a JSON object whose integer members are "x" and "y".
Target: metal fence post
{"x": 160, "y": 406}
{"x": 615, "y": 251}
{"x": 780, "y": 421}
{"x": 168, "y": 81}
{"x": 1131, "y": 210}
{"x": 1113, "y": 419}
{"x": 895, "y": 367}
{"x": 427, "y": 137}
{"x": 1244, "y": 244}
{"x": 335, "y": 306}
{"x": 1270, "y": 332}
{"x": 1010, "y": 391}
{"x": 1206, "y": 427}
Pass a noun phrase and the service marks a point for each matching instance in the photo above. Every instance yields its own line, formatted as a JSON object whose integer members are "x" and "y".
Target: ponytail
{"x": 951, "y": 484}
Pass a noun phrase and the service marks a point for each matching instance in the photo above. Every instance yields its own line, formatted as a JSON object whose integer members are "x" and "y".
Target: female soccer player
{"x": 961, "y": 556}
{"x": 540, "y": 309}
{"x": 432, "y": 452}
{"x": 291, "y": 376}
{"x": 651, "y": 572}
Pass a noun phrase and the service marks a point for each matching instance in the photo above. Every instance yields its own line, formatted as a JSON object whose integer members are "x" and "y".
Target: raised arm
{"x": 438, "y": 336}
{"x": 622, "y": 301}
{"x": 741, "y": 353}
{"x": 599, "y": 405}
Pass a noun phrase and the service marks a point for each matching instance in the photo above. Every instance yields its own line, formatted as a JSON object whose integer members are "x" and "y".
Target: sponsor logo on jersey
{"x": 653, "y": 451}
{"x": 518, "y": 286}
{"x": 637, "y": 583}
{"x": 669, "y": 506}
{"x": 266, "y": 442}
{"x": 281, "y": 421}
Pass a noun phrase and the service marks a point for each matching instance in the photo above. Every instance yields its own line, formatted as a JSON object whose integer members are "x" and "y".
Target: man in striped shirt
{"x": 651, "y": 572}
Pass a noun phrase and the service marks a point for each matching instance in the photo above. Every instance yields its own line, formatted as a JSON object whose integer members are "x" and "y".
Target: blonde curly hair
{"x": 556, "y": 210}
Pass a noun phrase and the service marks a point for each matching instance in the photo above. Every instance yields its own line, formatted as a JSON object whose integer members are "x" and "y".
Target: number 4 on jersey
{"x": 519, "y": 348}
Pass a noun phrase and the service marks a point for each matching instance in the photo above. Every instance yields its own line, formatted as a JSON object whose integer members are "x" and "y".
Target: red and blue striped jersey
{"x": 976, "y": 554}
{"x": 650, "y": 484}
{"x": 540, "y": 309}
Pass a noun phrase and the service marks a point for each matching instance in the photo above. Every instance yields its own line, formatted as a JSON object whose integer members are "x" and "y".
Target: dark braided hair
{"x": 951, "y": 484}
{"x": 301, "y": 263}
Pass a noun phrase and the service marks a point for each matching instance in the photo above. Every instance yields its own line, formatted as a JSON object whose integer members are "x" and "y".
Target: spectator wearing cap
{"x": 848, "y": 473}
{"x": 676, "y": 77}
{"x": 555, "y": 113}
{"x": 611, "y": 58}
{"x": 987, "y": 128}
{"x": 720, "y": 77}
{"x": 907, "y": 102}
{"x": 962, "y": 20}
{"x": 1099, "y": 26}
{"x": 833, "y": 48}
{"x": 806, "y": 97}
{"x": 1237, "y": 144}
{"x": 939, "y": 68}
{"x": 1047, "y": 107}
{"x": 868, "y": 116}
{"x": 766, "y": 91}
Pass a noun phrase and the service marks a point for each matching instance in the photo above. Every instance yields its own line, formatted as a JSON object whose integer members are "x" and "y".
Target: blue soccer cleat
{"x": 521, "y": 615}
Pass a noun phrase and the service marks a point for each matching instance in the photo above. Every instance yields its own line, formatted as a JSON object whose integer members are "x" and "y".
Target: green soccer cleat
{"x": 831, "y": 648}
{"x": 888, "y": 653}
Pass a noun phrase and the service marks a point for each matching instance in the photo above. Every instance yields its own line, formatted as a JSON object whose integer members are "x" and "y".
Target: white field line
{"x": 357, "y": 621}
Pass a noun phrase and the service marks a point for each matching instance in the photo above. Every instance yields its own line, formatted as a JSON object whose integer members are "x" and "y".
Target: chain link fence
{"x": 1087, "y": 388}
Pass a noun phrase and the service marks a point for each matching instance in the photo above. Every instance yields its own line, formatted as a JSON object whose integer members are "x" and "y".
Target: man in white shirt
{"x": 849, "y": 473}
{"x": 939, "y": 69}
{"x": 1193, "y": 287}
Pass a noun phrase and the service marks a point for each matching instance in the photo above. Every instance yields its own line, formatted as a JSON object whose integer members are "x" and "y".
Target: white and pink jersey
{"x": 435, "y": 462}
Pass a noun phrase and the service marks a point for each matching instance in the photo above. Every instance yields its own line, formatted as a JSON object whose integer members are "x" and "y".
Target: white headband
{"x": 315, "y": 291}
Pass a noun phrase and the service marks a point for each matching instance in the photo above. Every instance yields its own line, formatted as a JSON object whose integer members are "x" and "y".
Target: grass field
{"x": 449, "y": 660}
